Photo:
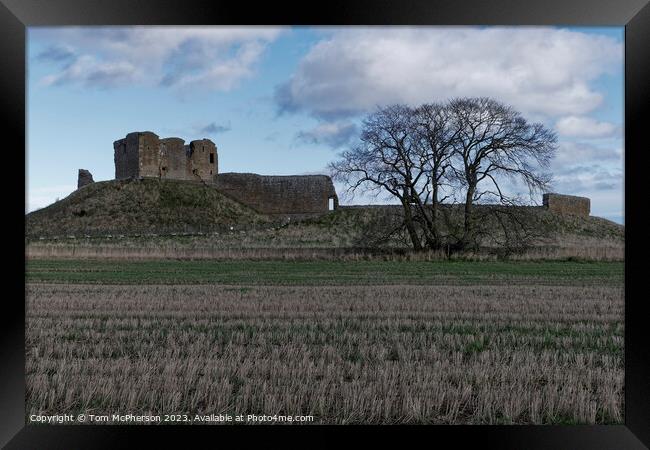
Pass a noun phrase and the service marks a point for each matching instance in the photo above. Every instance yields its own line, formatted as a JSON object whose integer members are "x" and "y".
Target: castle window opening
{"x": 211, "y": 159}
{"x": 330, "y": 204}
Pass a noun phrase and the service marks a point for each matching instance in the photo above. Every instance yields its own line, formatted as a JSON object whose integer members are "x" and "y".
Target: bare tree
{"x": 496, "y": 143}
{"x": 434, "y": 140}
{"x": 436, "y": 154}
{"x": 384, "y": 161}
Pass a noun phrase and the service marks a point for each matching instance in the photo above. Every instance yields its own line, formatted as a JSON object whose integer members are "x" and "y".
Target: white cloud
{"x": 540, "y": 71}
{"x": 91, "y": 71}
{"x": 586, "y": 127}
{"x": 214, "y": 58}
{"x": 334, "y": 134}
{"x": 571, "y": 153}
{"x": 588, "y": 178}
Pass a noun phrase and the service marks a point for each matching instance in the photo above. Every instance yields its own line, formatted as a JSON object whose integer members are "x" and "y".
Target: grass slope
{"x": 359, "y": 222}
{"x": 140, "y": 206}
{"x": 114, "y": 217}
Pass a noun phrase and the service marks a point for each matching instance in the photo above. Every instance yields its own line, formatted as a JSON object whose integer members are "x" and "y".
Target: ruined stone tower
{"x": 144, "y": 154}
{"x": 84, "y": 178}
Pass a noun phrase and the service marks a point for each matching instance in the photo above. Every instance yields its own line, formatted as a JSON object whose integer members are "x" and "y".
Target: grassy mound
{"x": 366, "y": 223}
{"x": 180, "y": 219}
{"x": 140, "y": 206}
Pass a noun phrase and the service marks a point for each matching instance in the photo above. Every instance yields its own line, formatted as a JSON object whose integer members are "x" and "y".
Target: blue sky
{"x": 288, "y": 100}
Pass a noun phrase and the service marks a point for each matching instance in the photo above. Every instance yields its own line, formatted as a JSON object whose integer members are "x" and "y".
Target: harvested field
{"x": 172, "y": 250}
{"x": 399, "y": 353}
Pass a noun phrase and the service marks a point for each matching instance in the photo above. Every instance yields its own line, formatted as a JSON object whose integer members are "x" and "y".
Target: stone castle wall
{"x": 203, "y": 159}
{"x": 148, "y": 148}
{"x": 84, "y": 178}
{"x": 296, "y": 195}
{"x": 144, "y": 154}
{"x": 174, "y": 163}
{"x": 567, "y": 204}
{"x": 127, "y": 158}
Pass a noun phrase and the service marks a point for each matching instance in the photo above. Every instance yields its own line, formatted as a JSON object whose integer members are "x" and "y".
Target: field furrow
{"x": 400, "y": 353}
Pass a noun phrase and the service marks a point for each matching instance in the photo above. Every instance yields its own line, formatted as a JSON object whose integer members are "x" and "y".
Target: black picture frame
{"x": 16, "y": 15}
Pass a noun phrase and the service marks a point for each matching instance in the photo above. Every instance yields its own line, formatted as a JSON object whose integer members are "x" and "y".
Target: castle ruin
{"x": 145, "y": 155}
{"x": 83, "y": 178}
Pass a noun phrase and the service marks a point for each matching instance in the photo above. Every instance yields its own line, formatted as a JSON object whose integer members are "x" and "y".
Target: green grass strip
{"x": 324, "y": 272}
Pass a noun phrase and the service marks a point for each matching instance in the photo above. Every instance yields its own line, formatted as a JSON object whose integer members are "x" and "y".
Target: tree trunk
{"x": 410, "y": 226}
{"x": 434, "y": 215}
{"x": 468, "y": 226}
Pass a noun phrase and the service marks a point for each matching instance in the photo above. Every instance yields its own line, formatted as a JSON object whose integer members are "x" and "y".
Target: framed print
{"x": 424, "y": 215}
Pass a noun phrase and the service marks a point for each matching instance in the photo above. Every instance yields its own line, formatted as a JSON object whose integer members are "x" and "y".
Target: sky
{"x": 288, "y": 100}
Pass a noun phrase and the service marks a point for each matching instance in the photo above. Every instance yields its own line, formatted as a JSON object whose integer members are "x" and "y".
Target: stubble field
{"x": 366, "y": 342}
